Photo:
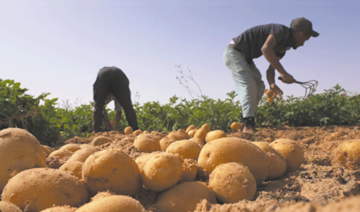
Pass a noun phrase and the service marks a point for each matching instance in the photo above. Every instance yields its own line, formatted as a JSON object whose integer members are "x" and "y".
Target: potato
{"x": 277, "y": 164}
{"x": 74, "y": 167}
{"x": 201, "y": 134}
{"x": 101, "y": 140}
{"x": 178, "y": 135}
{"x": 61, "y": 153}
{"x": 191, "y": 127}
{"x": 235, "y": 126}
{"x": 185, "y": 148}
{"x": 161, "y": 171}
{"x": 270, "y": 93}
{"x": 232, "y": 149}
{"x": 143, "y": 159}
{"x": 128, "y": 130}
{"x": 111, "y": 170}
{"x": 82, "y": 154}
{"x": 101, "y": 195}
{"x": 71, "y": 147}
{"x": 47, "y": 150}
{"x": 147, "y": 143}
{"x": 9, "y": 207}
{"x": 184, "y": 197}
{"x": 181, "y": 131}
{"x": 348, "y": 154}
{"x": 19, "y": 150}
{"x": 40, "y": 188}
{"x": 232, "y": 182}
{"x": 291, "y": 152}
{"x": 198, "y": 141}
{"x": 192, "y": 132}
{"x": 189, "y": 170}
{"x": 206, "y": 127}
{"x": 212, "y": 135}
{"x": 60, "y": 209}
{"x": 156, "y": 133}
{"x": 137, "y": 132}
{"x": 114, "y": 203}
{"x": 165, "y": 142}
{"x": 271, "y": 100}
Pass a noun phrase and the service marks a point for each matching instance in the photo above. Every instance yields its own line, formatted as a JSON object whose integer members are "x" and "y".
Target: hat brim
{"x": 314, "y": 34}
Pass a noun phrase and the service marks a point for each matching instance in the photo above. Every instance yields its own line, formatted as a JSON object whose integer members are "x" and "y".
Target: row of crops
{"x": 49, "y": 122}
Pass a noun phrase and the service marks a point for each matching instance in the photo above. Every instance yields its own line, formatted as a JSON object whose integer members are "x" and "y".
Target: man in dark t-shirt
{"x": 112, "y": 80}
{"x": 272, "y": 41}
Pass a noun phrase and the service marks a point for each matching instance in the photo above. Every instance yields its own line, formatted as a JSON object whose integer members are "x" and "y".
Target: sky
{"x": 59, "y": 46}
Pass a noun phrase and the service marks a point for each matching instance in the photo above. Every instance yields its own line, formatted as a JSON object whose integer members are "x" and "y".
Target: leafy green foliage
{"x": 41, "y": 117}
{"x": 24, "y": 111}
{"x": 329, "y": 108}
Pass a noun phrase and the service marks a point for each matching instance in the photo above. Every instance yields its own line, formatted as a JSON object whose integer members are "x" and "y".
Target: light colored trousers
{"x": 247, "y": 78}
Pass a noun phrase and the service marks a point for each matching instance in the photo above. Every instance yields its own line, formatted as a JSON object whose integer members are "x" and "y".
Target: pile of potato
{"x": 183, "y": 167}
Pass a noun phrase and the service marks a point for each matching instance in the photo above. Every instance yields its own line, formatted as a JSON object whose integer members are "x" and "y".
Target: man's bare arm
{"x": 270, "y": 75}
{"x": 269, "y": 54}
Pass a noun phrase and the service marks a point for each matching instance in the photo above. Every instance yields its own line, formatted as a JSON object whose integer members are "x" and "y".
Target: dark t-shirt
{"x": 251, "y": 41}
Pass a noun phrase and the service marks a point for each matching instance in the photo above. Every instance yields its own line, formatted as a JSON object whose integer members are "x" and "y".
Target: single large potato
{"x": 232, "y": 149}
{"x": 348, "y": 154}
{"x": 184, "y": 197}
{"x": 113, "y": 203}
{"x": 111, "y": 170}
{"x": 232, "y": 182}
{"x": 291, "y": 152}
{"x": 9, "y": 207}
{"x": 212, "y": 135}
{"x": 162, "y": 171}
{"x": 147, "y": 143}
{"x": 185, "y": 148}
{"x": 277, "y": 165}
{"x": 19, "y": 150}
{"x": 40, "y": 188}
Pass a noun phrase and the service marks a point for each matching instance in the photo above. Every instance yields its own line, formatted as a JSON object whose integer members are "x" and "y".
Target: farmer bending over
{"x": 272, "y": 41}
{"x": 111, "y": 80}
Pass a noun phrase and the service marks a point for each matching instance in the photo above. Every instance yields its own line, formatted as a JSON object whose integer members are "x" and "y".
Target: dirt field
{"x": 318, "y": 185}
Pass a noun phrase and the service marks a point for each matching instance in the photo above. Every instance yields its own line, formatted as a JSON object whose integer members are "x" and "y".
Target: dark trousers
{"x": 112, "y": 80}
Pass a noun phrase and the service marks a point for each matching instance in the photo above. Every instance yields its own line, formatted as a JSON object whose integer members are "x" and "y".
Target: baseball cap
{"x": 303, "y": 24}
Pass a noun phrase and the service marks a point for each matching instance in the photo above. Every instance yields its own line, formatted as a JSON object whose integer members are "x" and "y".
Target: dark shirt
{"x": 251, "y": 41}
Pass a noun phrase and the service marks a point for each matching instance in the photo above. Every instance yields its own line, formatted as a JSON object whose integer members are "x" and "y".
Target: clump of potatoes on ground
{"x": 183, "y": 167}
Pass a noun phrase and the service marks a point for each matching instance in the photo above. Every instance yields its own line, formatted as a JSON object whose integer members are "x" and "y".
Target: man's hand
{"x": 287, "y": 78}
{"x": 278, "y": 92}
